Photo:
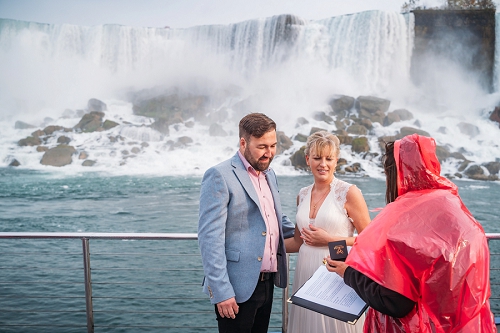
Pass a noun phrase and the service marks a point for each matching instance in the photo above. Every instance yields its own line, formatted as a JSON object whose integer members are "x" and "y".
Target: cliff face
{"x": 463, "y": 37}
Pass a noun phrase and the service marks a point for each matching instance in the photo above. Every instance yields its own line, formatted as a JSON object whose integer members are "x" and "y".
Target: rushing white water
{"x": 286, "y": 66}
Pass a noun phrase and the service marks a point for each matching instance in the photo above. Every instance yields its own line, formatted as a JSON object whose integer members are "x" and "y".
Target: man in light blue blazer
{"x": 241, "y": 231}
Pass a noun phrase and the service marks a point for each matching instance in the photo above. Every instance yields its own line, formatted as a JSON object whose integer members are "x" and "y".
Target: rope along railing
{"x": 126, "y": 282}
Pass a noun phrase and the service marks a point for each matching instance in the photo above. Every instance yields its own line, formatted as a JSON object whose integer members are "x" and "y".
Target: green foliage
{"x": 450, "y": 4}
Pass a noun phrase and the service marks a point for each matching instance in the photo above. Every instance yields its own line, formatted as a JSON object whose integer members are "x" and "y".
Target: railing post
{"x": 284, "y": 310}
{"x": 88, "y": 285}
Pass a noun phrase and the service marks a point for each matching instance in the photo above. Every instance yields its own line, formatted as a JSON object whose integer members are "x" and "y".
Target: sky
{"x": 182, "y": 13}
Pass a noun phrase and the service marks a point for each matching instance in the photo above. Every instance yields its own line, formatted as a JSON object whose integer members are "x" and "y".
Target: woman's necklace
{"x": 317, "y": 202}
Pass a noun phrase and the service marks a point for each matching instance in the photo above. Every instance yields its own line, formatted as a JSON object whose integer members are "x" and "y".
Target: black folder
{"x": 330, "y": 311}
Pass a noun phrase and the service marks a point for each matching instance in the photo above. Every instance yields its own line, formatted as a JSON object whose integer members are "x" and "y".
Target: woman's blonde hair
{"x": 321, "y": 142}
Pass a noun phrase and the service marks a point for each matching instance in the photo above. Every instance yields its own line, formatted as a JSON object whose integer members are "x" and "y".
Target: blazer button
{"x": 264, "y": 233}
{"x": 259, "y": 258}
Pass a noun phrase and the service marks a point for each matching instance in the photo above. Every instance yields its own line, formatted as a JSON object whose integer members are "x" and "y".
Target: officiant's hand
{"x": 334, "y": 266}
{"x": 315, "y": 236}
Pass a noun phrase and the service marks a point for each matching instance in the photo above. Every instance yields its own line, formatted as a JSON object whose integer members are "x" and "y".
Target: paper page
{"x": 329, "y": 289}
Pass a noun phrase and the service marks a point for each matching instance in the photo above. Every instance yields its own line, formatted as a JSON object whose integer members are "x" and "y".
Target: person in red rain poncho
{"x": 423, "y": 263}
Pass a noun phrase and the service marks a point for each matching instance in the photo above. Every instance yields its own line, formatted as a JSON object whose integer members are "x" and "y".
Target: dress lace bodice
{"x": 332, "y": 215}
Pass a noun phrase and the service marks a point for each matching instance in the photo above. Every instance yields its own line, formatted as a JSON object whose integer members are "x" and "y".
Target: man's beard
{"x": 256, "y": 163}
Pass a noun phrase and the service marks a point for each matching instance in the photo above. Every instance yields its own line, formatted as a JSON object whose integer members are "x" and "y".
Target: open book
{"x": 326, "y": 293}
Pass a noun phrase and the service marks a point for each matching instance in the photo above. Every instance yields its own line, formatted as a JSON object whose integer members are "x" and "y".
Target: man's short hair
{"x": 255, "y": 124}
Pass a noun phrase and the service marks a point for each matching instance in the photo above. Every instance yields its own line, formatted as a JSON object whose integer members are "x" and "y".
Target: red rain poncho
{"x": 426, "y": 246}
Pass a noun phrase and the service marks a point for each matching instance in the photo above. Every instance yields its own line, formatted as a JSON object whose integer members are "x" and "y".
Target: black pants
{"x": 254, "y": 314}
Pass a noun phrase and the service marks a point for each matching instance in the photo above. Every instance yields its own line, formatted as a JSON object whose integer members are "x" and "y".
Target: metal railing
{"x": 102, "y": 284}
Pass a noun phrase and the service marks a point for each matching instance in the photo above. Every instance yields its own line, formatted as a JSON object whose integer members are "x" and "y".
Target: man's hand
{"x": 228, "y": 308}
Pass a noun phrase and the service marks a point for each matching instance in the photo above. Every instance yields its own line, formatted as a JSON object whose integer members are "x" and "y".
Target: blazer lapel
{"x": 242, "y": 175}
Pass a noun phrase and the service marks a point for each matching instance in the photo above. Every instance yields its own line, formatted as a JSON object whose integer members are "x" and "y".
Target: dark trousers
{"x": 254, "y": 314}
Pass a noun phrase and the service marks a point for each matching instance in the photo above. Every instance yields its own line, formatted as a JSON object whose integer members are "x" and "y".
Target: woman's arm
{"x": 357, "y": 209}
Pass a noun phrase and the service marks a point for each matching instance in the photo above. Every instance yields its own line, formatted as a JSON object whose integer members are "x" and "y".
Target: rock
{"x": 345, "y": 139}
{"x": 42, "y": 149}
{"x": 29, "y": 141}
{"x": 463, "y": 165}
{"x": 476, "y": 172}
{"x": 144, "y": 144}
{"x": 321, "y": 116}
{"x": 63, "y": 139}
{"x": 354, "y": 168}
{"x": 165, "y": 106}
{"x": 38, "y": 133}
{"x": 468, "y": 129}
{"x": 284, "y": 142}
{"x": 189, "y": 124}
{"x": 376, "y": 117}
{"x": 161, "y": 125}
{"x": 90, "y": 122}
{"x": 83, "y": 155}
{"x": 301, "y": 121}
{"x": 342, "y": 103}
{"x": 366, "y": 123}
{"x": 493, "y": 167}
{"x": 404, "y": 114}
{"x": 316, "y": 129}
{"x": 22, "y": 125}
{"x": 58, "y": 156}
{"x": 216, "y": 130}
{"x": 14, "y": 163}
{"x": 372, "y": 104}
{"x": 300, "y": 137}
{"x": 357, "y": 130}
{"x": 495, "y": 115}
{"x": 396, "y": 116}
{"x": 298, "y": 159}
{"x": 96, "y": 105}
{"x": 442, "y": 130}
{"x": 340, "y": 125}
{"x": 340, "y": 163}
{"x": 442, "y": 153}
{"x": 49, "y": 130}
{"x": 135, "y": 150}
{"x": 391, "y": 118}
{"x": 182, "y": 142}
{"x": 404, "y": 131}
{"x": 88, "y": 163}
{"x": 360, "y": 145}
{"x": 109, "y": 124}
{"x": 458, "y": 156}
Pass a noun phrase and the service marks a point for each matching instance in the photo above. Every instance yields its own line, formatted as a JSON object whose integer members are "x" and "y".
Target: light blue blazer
{"x": 231, "y": 232}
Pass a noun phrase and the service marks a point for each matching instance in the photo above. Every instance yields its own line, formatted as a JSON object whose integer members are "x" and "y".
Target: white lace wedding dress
{"x": 332, "y": 217}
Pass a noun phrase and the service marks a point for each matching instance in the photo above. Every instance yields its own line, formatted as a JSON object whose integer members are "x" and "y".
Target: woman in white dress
{"x": 328, "y": 210}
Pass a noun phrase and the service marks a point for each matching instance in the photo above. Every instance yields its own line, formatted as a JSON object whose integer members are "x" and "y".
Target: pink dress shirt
{"x": 266, "y": 201}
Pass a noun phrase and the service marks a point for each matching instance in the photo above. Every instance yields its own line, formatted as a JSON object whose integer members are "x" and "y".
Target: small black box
{"x": 338, "y": 250}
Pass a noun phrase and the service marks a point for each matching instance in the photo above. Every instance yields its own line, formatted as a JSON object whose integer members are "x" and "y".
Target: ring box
{"x": 338, "y": 250}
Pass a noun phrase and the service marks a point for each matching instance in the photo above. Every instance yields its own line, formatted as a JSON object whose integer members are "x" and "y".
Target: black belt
{"x": 266, "y": 276}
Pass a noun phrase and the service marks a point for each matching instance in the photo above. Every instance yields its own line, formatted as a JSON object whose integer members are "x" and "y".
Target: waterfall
{"x": 286, "y": 66}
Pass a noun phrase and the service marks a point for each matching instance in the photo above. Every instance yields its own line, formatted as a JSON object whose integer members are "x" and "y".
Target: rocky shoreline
{"x": 354, "y": 119}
